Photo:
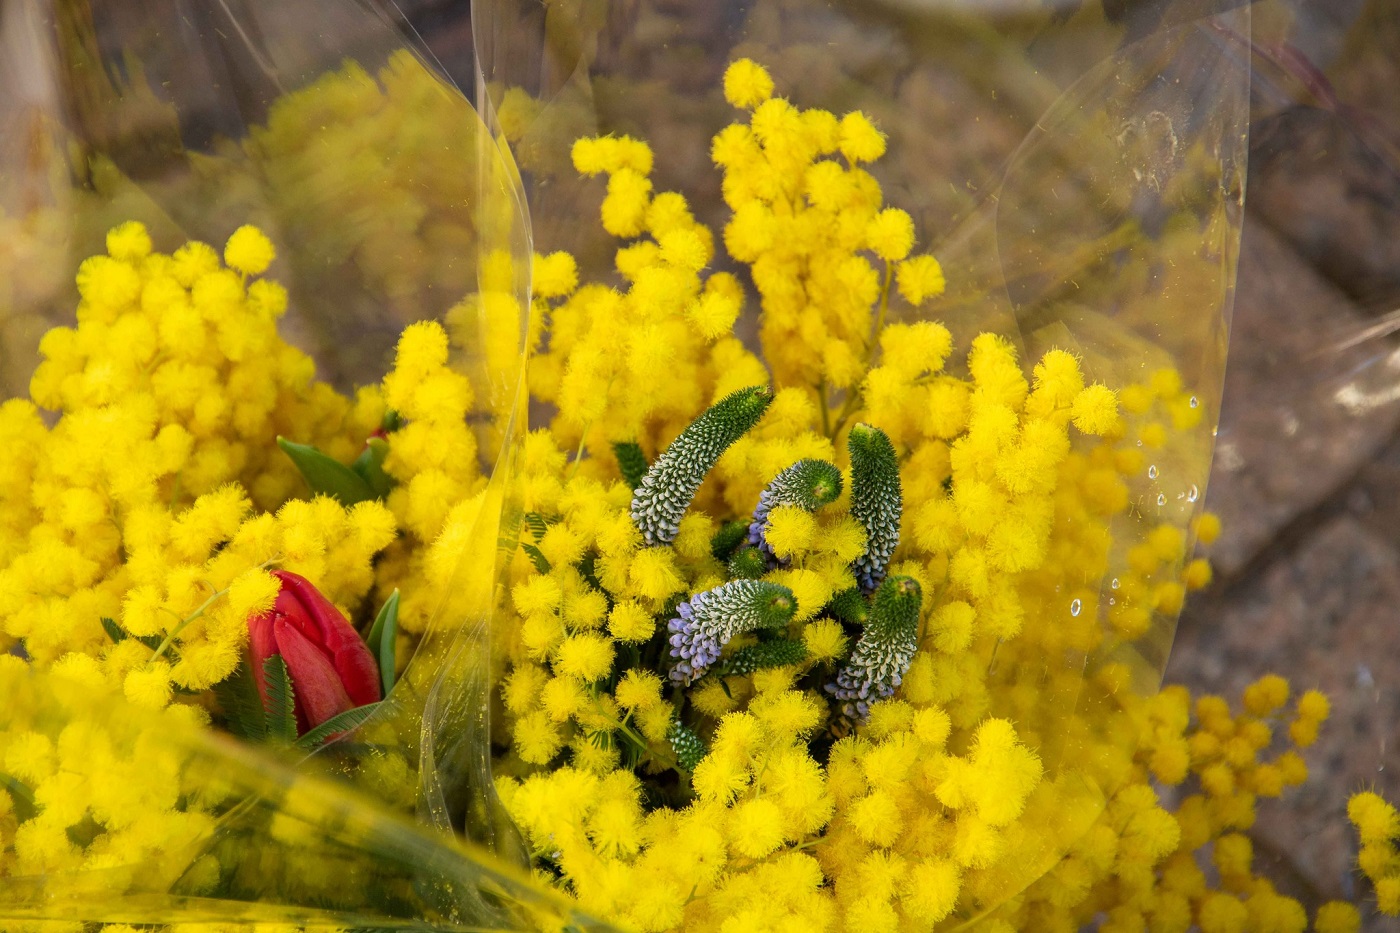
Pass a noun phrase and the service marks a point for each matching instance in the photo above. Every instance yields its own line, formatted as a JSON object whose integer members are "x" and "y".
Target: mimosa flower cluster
{"x": 691, "y": 748}
{"x": 838, "y": 635}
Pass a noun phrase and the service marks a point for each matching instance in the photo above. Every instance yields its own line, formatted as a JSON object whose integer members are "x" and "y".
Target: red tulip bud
{"x": 330, "y": 668}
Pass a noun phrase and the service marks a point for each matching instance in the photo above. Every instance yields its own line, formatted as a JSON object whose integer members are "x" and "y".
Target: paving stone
{"x": 1323, "y": 615}
{"x": 1325, "y": 166}
{"x": 1297, "y": 419}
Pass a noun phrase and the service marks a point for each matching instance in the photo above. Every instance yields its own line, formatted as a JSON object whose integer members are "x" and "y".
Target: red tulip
{"x": 330, "y": 668}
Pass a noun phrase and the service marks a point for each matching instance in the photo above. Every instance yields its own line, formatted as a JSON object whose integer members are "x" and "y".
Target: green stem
{"x": 170, "y": 636}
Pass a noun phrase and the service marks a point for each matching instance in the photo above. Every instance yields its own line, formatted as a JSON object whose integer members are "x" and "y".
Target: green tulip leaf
{"x": 281, "y": 702}
{"x": 369, "y": 466}
{"x": 327, "y": 476}
{"x": 347, "y": 721}
{"x": 383, "y": 638}
{"x": 242, "y": 707}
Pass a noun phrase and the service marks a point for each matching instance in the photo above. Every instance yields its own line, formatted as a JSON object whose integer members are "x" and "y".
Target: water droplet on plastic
{"x": 1139, "y": 443}
{"x": 1193, "y": 493}
{"x": 1152, "y": 471}
{"x": 1161, "y": 499}
{"x": 1112, "y": 601}
{"x": 1116, "y": 583}
{"x": 1195, "y": 402}
{"x": 1074, "y": 607}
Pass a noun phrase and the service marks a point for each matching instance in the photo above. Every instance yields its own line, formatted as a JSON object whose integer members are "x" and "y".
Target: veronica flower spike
{"x": 885, "y": 650}
{"x": 875, "y": 500}
{"x": 706, "y": 622}
{"x": 807, "y": 484}
{"x": 669, "y": 486}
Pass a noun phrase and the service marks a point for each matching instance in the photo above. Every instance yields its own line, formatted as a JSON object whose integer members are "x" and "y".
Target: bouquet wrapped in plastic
{"x": 694, "y": 493}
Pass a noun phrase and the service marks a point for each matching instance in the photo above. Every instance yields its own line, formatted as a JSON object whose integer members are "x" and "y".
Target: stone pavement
{"x": 1307, "y": 469}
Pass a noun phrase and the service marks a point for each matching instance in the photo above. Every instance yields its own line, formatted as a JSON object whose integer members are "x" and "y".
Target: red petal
{"x": 321, "y": 622}
{"x": 319, "y": 693}
{"x": 261, "y": 646}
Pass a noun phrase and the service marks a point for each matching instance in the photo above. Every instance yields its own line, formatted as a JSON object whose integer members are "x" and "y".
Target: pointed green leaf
{"x": 536, "y": 523}
{"x": 383, "y": 639}
{"x": 24, "y": 805}
{"x": 369, "y": 466}
{"x": 325, "y": 475}
{"x": 243, "y": 709}
{"x": 347, "y": 721}
{"x": 119, "y": 634}
{"x": 281, "y": 702}
{"x": 542, "y": 564}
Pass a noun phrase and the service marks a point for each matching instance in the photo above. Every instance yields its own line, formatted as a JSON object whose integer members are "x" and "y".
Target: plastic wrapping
{"x": 387, "y": 202}
{"x": 1079, "y": 180}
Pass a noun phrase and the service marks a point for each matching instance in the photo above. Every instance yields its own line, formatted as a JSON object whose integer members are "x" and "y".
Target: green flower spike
{"x": 688, "y": 746}
{"x": 706, "y": 622}
{"x": 807, "y": 484}
{"x": 780, "y": 652}
{"x": 885, "y": 650}
{"x": 670, "y": 484}
{"x": 850, "y": 606}
{"x": 875, "y": 500}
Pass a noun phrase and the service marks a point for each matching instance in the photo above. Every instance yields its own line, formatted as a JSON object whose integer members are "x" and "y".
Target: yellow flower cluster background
{"x": 1021, "y": 777}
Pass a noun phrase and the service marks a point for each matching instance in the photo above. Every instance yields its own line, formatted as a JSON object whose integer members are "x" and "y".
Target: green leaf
{"x": 370, "y": 467}
{"x": 243, "y": 709}
{"x": 542, "y": 564}
{"x": 113, "y": 630}
{"x": 327, "y": 476}
{"x": 537, "y": 524}
{"x": 281, "y": 702}
{"x": 23, "y": 797}
{"x": 119, "y": 634}
{"x": 347, "y": 721}
{"x": 383, "y": 637}
{"x": 391, "y": 422}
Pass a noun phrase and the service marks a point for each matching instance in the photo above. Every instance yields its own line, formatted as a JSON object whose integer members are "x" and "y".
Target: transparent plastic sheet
{"x": 1080, "y": 178}
{"x": 388, "y": 202}
{"x": 254, "y": 841}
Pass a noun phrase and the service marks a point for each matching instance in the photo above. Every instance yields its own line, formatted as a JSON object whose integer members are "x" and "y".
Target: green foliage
{"x": 119, "y": 634}
{"x": 281, "y": 702}
{"x": 327, "y": 476}
{"x": 383, "y": 639}
{"x": 369, "y": 466}
{"x": 242, "y": 707}
{"x": 347, "y": 721}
